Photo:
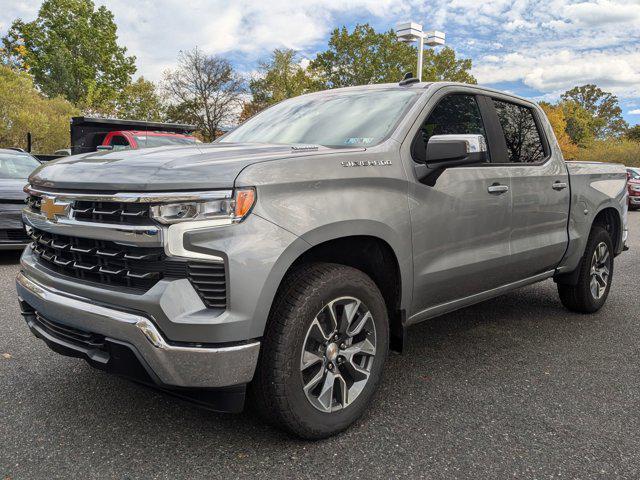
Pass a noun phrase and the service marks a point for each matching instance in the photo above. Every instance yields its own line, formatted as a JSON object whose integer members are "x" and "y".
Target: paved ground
{"x": 516, "y": 387}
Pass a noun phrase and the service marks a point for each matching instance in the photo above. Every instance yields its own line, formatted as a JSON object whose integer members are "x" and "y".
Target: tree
{"x": 555, "y": 115}
{"x": 70, "y": 48}
{"x": 581, "y": 125}
{"x": 281, "y": 77}
{"x": 365, "y": 56}
{"x": 633, "y": 133}
{"x": 23, "y": 109}
{"x": 204, "y": 90}
{"x": 603, "y": 108}
{"x": 140, "y": 101}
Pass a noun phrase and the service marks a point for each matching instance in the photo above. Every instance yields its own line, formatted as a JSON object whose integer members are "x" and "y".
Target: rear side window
{"x": 455, "y": 114}
{"x": 524, "y": 143}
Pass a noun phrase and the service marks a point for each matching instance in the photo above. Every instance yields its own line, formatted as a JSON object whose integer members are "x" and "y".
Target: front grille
{"x": 14, "y": 235}
{"x": 105, "y": 262}
{"x": 111, "y": 212}
{"x": 102, "y": 212}
{"x": 112, "y": 264}
{"x": 34, "y": 202}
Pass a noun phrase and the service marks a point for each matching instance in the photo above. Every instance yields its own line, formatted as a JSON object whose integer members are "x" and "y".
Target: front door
{"x": 460, "y": 228}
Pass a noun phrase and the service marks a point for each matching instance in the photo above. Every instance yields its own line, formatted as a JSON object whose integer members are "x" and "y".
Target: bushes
{"x": 612, "y": 150}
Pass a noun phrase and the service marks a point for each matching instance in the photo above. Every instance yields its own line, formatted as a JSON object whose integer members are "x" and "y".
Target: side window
{"x": 455, "y": 114}
{"x": 119, "y": 142}
{"x": 524, "y": 144}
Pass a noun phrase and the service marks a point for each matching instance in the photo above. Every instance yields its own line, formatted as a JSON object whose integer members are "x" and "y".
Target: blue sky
{"x": 534, "y": 48}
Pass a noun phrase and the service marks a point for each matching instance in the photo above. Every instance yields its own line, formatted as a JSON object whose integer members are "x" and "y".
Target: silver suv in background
{"x": 293, "y": 253}
{"x": 15, "y": 168}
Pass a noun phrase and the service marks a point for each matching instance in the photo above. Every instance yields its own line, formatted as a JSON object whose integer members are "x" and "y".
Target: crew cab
{"x": 286, "y": 259}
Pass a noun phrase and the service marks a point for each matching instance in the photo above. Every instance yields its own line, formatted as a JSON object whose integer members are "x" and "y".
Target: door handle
{"x": 498, "y": 188}
{"x": 558, "y": 185}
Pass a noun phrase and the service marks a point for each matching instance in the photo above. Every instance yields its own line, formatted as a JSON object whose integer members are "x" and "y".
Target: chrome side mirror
{"x": 446, "y": 151}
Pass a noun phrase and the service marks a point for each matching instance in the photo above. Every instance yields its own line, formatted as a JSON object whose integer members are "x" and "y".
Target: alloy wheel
{"x": 600, "y": 270}
{"x": 338, "y": 354}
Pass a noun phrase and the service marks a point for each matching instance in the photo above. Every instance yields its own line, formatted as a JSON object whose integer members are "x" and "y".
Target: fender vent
{"x": 210, "y": 281}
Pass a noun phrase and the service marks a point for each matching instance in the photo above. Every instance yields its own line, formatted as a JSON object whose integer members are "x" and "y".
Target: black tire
{"x": 277, "y": 388}
{"x": 579, "y": 297}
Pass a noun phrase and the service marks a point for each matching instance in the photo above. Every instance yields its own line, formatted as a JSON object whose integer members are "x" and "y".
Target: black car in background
{"x": 15, "y": 167}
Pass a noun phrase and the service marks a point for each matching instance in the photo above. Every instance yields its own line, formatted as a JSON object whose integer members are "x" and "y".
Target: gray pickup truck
{"x": 284, "y": 260}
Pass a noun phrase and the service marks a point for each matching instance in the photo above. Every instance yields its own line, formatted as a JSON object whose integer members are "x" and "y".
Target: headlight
{"x": 234, "y": 209}
{"x": 635, "y": 188}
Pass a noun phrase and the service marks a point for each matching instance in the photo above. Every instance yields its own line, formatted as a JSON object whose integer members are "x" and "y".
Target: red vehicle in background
{"x": 90, "y": 134}
{"x": 633, "y": 183}
{"x": 134, "y": 139}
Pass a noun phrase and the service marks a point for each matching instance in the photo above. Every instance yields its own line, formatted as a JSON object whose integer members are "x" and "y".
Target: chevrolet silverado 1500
{"x": 289, "y": 256}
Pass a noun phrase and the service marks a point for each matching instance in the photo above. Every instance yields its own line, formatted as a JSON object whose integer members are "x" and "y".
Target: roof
{"x": 421, "y": 86}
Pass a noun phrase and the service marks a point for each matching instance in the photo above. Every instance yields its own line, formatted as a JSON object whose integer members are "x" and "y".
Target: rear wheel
{"x": 594, "y": 279}
{"x": 323, "y": 352}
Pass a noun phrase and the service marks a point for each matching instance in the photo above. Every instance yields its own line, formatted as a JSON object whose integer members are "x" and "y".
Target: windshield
{"x": 148, "y": 141}
{"x": 333, "y": 119}
{"x": 16, "y": 165}
{"x": 635, "y": 174}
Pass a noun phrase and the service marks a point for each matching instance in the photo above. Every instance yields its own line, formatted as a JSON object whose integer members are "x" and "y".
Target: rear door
{"x": 460, "y": 230}
{"x": 539, "y": 188}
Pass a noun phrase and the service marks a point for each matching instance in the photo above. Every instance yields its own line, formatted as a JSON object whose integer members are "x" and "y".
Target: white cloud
{"x": 548, "y": 45}
{"x": 634, "y": 112}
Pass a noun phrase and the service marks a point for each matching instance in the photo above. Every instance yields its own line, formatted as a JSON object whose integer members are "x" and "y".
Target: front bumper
{"x": 168, "y": 365}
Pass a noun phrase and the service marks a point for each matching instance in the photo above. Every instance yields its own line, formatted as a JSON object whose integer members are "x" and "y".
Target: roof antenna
{"x": 408, "y": 79}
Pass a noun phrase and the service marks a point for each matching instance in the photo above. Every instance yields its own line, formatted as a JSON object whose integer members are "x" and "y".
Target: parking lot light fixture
{"x": 409, "y": 32}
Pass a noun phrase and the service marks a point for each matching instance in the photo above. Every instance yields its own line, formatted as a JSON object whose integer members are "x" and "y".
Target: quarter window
{"x": 455, "y": 114}
{"x": 524, "y": 144}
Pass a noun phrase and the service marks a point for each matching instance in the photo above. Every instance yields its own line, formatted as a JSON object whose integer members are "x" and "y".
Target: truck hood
{"x": 197, "y": 167}
{"x": 11, "y": 189}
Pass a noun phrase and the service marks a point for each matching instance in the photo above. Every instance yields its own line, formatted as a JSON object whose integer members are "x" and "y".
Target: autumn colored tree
{"x": 555, "y": 115}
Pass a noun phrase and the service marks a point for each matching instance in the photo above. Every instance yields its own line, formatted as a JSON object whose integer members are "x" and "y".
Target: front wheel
{"x": 323, "y": 351}
{"x": 594, "y": 279}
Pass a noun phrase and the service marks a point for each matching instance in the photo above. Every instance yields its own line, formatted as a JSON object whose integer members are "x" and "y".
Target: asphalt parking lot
{"x": 516, "y": 387}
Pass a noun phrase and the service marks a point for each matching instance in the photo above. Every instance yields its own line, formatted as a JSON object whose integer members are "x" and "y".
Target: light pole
{"x": 409, "y": 32}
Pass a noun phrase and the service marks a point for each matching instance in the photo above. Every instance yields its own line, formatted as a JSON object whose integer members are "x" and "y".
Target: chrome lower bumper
{"x": 182, "y": 366}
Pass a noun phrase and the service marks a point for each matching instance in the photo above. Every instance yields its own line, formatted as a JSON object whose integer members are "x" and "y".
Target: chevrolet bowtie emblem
{"x": 51, "y": 208}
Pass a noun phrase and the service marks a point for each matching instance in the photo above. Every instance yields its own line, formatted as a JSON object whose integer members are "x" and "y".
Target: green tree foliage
{"x": 365, "y": 56}
{"x": 23, "y": 109}
{"x": 138, "y": 100}
{"x": 281, "y": 77}
{"x": 71, "y": 50}
{"x": 581, "y": 125}
{"x": 203, "y": 90}
{"x": 603, "y": 107}
{"x": 633, "y": 133}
